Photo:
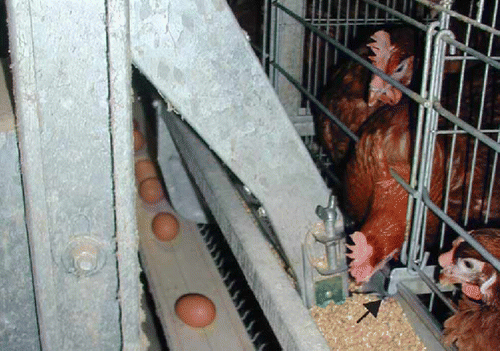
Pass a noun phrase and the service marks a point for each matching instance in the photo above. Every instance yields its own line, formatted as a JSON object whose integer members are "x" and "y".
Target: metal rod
{"x": 456, "y": 131}
{"x": 468, "y": 128}
{"x": 471, "y": 51}
{"x": 485, "y": 82}
{"x": 441, "y": 214}
{"x": 322, "y": 22}
{"x": 435, "y": 288}
{"x": 468, "y": 58}
{"x": 410, "y": 93}
{"x": 338, "y": 23}
{"x": 397, "y": 14}
{"x": 323, "y": 109}
{"x": 418, "y": 136}
{"x": 326, "y": 47}
{"x": 459, "y": 16}
{"x": 455, "y": 128}
{"x": 460, "y": 231}
{"x": 275, "y": 43}
{"x": 310, "y": 49}
{"x": 265, "y": 34}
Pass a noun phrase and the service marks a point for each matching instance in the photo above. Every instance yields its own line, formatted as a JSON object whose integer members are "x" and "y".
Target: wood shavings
{"x": 389, "y": 331}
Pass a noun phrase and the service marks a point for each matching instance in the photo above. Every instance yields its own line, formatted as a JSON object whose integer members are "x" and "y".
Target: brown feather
{"x": 474, "y": 327}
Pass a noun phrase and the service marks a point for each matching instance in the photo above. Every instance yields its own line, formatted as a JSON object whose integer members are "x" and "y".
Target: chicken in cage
{"x": 404, "y": 101}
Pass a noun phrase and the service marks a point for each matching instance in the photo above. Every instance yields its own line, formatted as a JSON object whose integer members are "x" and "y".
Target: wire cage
{"x": 455, "y": 103}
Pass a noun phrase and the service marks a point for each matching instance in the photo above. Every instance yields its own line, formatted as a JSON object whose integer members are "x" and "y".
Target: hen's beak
{"x": 446, "y": 259}
{"x": 382, "y": 91}
{"x": 451, "y": 275}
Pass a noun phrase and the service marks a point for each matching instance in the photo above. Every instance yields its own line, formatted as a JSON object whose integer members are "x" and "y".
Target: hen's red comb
{"x": 382, "y": 49}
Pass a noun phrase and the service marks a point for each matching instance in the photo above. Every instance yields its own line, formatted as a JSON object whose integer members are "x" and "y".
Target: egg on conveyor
{"x": 165, "y": 226}
{"x": 151, "y": 190}
{"x": 138, "y": 140}
{"x": 144, "y": 169}
{"x": 196, "y": 310}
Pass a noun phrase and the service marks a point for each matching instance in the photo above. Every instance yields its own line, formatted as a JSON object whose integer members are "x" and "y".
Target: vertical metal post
{"x": 18, "y": 324}
{"x": 414, "y": 240}
{"x": 290, "y": 39}
{"x": 120, "y": 108}
{"x": 70, "y": 78}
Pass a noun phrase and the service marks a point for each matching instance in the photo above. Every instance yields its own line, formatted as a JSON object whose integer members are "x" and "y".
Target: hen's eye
{"x": 399, "y": 69}
{"x": 471, "y": 264}
{"x": 468, "y": 264}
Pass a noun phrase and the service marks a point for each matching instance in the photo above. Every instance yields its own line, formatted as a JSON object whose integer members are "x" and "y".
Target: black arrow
{"x": 372, "y": 308}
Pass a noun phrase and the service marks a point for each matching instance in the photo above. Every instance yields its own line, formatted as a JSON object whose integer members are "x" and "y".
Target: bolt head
{"x": 261, "y": 211}
{"x": 85, "y": 261}
{"x": 84, "y": 256}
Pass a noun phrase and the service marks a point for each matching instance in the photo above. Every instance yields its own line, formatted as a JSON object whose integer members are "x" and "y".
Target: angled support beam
{"x": 196, "y": 55}
{"x": 293, "y": 326}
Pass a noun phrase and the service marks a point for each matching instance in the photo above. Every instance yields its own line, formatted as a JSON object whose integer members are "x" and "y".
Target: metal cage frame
{"x": 328, "y": 27}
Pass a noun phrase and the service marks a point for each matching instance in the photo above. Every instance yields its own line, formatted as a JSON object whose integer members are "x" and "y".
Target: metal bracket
{"x": 324, "y": 250}
{"x": 413, "y": 281}
{"x": 182, "y": 193}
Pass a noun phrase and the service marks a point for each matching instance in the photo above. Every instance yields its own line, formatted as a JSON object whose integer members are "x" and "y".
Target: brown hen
{"x": 353, "y": 95}
{"x": 372, "y": 197}
{"x": 474, "y": 326}
{"x": 378, "y": 203}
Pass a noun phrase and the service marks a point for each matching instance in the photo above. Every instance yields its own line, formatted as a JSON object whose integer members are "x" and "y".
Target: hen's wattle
{"x": 475, "y": 325}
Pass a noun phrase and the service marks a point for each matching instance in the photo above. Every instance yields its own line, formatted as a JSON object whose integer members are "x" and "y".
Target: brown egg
{"x": 165, "y": 226}
{"x": 195, "y": 310}
{"x": 138, "y": 140}
{"x": 151, "y": 190}
{"x": 144, "y": 169}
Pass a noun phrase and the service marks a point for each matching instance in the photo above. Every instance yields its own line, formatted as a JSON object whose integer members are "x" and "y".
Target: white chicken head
{"x": 464, "y": 265}
{"x": 392, "y": 59}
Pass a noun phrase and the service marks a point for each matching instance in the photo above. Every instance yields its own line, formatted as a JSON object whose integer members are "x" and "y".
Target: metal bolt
{"x": 247, "y": 190}
{"x": 261, "y": 211}
{"x": 85, "y": 261}
{"x": 84, "y": 256}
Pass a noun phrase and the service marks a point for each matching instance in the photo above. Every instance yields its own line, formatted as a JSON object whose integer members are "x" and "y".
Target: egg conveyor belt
{"x": 183, "y": 265}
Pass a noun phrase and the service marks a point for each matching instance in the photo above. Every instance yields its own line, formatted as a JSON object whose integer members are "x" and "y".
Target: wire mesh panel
{"x": 461, "y": 128}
